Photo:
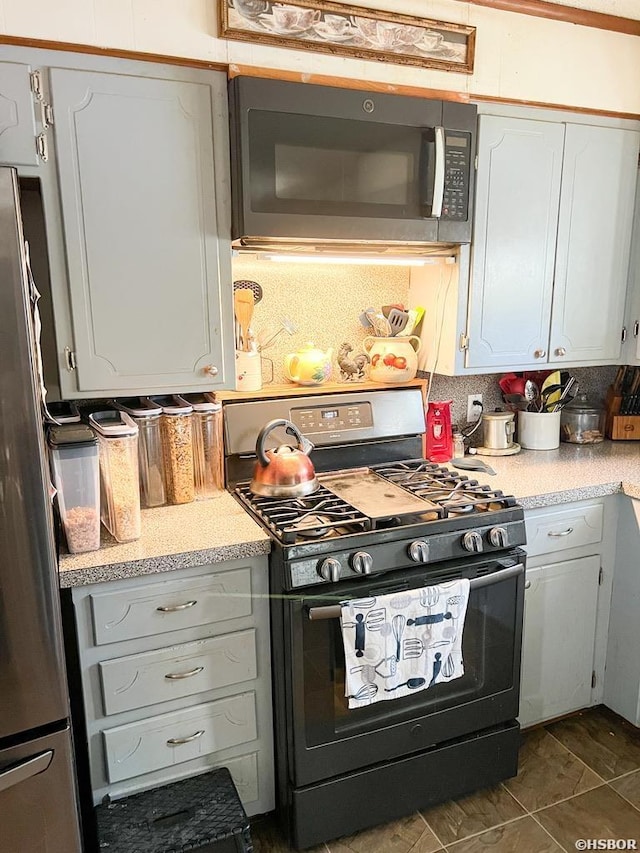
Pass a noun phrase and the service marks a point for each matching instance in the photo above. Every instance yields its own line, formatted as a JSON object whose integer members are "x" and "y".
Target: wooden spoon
{"x": 243, "y": 302}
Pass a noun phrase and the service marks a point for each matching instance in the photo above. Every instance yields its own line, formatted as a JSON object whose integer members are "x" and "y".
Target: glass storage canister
{"x": 146, "y": 416}
{"x": 73, "y": 452}
{"x": 582, "y": 421}
{"x": 207, "y": 445}
{"x": 177, "y": 448}
{"x": 120, "y": 489}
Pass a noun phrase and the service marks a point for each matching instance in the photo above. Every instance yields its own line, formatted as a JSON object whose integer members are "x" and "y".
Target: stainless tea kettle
{"x": 286, "y": 471}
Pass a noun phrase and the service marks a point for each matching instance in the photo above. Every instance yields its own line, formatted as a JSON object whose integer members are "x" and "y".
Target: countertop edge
{"x": 583, "y": 493}
{"x": 159, "y": 565}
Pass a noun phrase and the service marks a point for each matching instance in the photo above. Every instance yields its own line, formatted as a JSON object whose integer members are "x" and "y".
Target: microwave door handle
{"x": 432, "y": 172}
{"x": 438, "y": 182}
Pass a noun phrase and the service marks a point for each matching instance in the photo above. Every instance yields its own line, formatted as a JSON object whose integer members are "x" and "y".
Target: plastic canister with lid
{"x": 177, "y": 448}
{"x": 120, "y": 490}
{"x": 73, "y": 452}
{"x": 207, "y": 445}
{"x": 146, "y": 415}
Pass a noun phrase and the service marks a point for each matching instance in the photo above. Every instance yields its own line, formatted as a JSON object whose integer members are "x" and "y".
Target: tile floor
{"x": 579, "y": 778}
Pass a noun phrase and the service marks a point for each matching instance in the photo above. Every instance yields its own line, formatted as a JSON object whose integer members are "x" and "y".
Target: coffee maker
{"x": 498, "y": 429}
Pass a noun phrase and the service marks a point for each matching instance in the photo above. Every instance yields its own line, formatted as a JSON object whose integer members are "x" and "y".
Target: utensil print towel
{"x": 397, "y": 644}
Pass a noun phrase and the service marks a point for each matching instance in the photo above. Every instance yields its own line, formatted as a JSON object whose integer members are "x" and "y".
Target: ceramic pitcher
{"x": 393, "y": 359}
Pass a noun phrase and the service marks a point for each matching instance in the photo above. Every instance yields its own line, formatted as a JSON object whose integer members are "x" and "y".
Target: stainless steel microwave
{"x": 318, "y": 163}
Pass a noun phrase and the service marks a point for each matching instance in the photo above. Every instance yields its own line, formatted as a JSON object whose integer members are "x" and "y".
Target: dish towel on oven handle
{"x": 398, "y": 644}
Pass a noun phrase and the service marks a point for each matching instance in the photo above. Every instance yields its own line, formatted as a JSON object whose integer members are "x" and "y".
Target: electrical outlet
{"x": 474, "y": 411}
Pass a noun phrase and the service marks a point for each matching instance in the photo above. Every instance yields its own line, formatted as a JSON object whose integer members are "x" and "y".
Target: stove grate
{"x": 316, "y": 516}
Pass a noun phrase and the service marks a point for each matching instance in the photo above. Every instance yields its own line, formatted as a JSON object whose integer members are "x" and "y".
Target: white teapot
{"x": 308, "y": 366}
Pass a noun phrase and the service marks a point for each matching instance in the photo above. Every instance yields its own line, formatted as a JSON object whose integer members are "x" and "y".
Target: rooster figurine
{"x": 352, "y": 369}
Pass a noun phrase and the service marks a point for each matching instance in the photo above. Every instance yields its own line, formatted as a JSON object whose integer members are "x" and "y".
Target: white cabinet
{"x": 17, "y": 116}
{"x": 570, "y": 552}
{"x": 558, "y": 640}
{"x": 622, "y": 682}
{"x": 144, "y": 191}
{"x": 171, "y": 689}
{"x": 631, "y": 351}
{"x": 545, "y": 280}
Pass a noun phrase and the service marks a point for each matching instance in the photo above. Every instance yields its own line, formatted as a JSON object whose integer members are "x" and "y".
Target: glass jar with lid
{"x": 582, "y": 421}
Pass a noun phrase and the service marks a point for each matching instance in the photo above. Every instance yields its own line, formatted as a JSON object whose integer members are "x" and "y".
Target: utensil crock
{"x": 286, "y": 471}
{"x": 393, "y": 359}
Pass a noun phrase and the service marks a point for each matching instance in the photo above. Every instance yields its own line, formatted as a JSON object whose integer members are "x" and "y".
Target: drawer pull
{"x": 178, "y": 741}
{"x": 172, "y": 608}
{"x": 176, "y": 675}
{"x": 561, "y": 533}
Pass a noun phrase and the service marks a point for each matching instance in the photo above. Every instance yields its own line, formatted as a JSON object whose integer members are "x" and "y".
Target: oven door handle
{"x": 334, "y": 611}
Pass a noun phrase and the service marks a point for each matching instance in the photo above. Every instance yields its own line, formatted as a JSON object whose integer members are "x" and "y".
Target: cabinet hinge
{"x": 70, "y": 358}
{"x": 600, "y": 576}
{"x": 623, "y": 336}
{"x": 636, "y": 328}
{"x": 42, "y": 147}
{"x": 47, "y": 114}
{"x": 464, "y": 342}
{"x": 475, "y": 163}
{"x": 593, "y": 679}
{"x": 35, "y": 79}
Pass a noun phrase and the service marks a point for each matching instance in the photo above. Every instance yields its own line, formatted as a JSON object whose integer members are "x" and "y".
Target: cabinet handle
{"x": 527, "y": 584}
{"x": 561, "y": 533}
{"x": 211, "y": 369}
{"x": 560, "y": 351}
{"x": 540, "y": 353}
{"x": 178, "y": 741}
{"x": 172, "y": 608}
{"x": 176, "y": 675}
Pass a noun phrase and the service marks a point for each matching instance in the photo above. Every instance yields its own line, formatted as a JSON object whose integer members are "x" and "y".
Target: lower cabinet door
{"x": 168, "y": 739}
{"x": 558, "y": 641}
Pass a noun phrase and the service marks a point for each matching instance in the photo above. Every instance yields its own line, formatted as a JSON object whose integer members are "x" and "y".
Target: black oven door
{"x": 327, "y": 739}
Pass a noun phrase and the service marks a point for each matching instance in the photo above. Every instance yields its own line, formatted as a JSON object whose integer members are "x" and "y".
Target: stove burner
{"x": 455, "y": 494}
{"x": 317, "y": 516}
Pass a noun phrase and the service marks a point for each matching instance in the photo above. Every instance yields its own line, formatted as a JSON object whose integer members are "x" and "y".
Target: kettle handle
{"x": 303, "y": 443}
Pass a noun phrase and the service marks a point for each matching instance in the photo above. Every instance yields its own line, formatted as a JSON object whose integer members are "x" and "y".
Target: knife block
{"x": 620, "y": 427}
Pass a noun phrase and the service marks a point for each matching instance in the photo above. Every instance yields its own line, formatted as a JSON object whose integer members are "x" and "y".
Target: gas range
{"x": 385, "y": 518}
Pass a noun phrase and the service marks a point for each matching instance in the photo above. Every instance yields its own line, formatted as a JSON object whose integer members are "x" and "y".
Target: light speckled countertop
{"x": 571, "y": 473}
{"x": 177, "y": 537}
{"x": 173, "y": 537}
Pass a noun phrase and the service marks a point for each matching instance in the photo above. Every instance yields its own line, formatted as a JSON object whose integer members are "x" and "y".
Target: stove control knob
{"x": 472, "y": 541}
{"x": 329, "y": 569}
{"x": 362, "y": 563}
{"x": 498, "y": 537}
{"x": 419, "y": 551}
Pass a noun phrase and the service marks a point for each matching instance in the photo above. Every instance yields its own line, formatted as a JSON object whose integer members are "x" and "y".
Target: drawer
{"x": 170, "y": 606}
{"x": 150, "y": 677}
{"x": 558, "y": 530}
{"x": 169, "y": 739}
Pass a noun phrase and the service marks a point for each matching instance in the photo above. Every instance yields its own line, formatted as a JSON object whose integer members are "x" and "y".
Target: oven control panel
{"x": 331, "y": 419}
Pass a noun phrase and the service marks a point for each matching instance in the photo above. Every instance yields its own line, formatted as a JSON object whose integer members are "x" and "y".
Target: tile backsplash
{"x": 323, "y": 300}
{"x": 592, "y": 380}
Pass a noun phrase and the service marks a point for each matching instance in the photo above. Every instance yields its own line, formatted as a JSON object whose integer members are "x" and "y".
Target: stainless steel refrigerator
{"x": 38, "y": 809}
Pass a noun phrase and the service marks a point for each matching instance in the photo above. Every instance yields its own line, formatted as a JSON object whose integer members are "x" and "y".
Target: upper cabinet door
{"x": 17, "y": 116}
{"x": 146, "y": 248}
{"x": 517, "y": 196}
{"x": 594, "y": 237}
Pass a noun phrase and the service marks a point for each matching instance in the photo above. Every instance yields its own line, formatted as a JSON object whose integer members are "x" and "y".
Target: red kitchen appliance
{"x": 439, "y": 437}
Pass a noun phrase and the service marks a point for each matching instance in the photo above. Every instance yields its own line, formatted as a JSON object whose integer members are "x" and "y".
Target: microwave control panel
{"x": 455, "y": 203}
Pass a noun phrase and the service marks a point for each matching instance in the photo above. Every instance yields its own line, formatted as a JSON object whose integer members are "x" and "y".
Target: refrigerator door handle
{"x": 25, "y": 770}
